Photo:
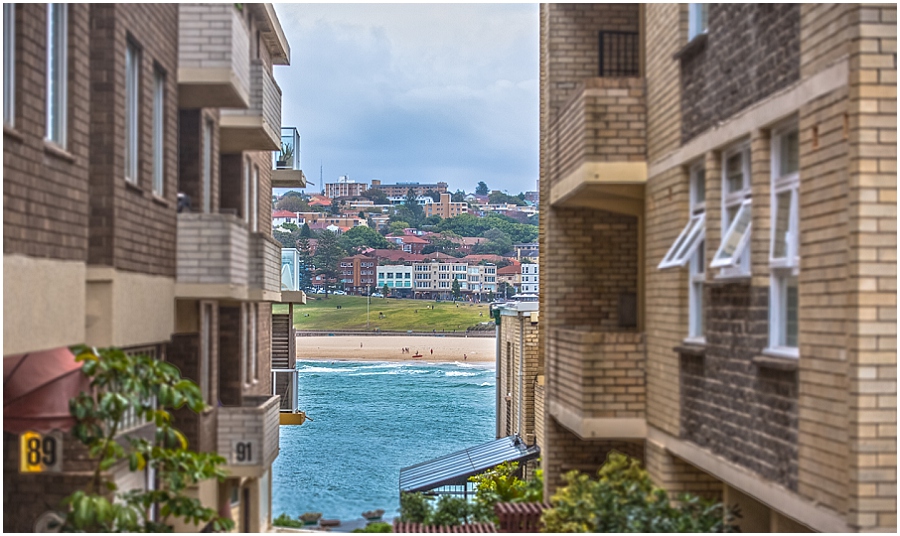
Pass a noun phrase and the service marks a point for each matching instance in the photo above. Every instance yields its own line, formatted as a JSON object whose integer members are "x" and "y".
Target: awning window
{"x": 686, "y": 243}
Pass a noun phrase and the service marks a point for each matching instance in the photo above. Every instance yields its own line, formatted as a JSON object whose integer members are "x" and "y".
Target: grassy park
{"x": 386, "y": 314}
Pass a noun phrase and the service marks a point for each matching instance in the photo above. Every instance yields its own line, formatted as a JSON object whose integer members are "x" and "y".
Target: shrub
{"x": 415, "y": 508}
{"x": 285, "y": 520}
{"x": 375, "y": 527}
{"x": 625, "y": 500}
{"x": 501, "y": 484}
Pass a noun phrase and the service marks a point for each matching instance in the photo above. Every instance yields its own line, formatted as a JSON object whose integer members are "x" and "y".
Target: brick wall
{"x": 131, "y": 228}
{"x": 45, "y": 191}
{"x": 231, "y": 339}
{"x": 265, "y": 262}
{"x": 514, "y": 330}
{"x": 725, "y": 76}
{"x": 256, "y": 420}
{"x": 191, "y": 151}
{"x": 214, "y": 36}
{"x": 677, "y": 476}
{"x": 212, "y": 249}
{"x": 598, "y": 374}
{"x": 666, "y": 33}
{"x": 603, "y": 121}
{"x": 263, "y": 319}
{"x": 199, "y": 429}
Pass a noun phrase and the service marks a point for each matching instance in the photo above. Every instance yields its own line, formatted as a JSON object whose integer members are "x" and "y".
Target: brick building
{"x": 400, "y": 189}
{"x": 358, "y": 274}
{"x": 110, "y": 112}
{"x": 446, "y": 208}
{"x": 344, "y": 187}
{"x": 520, "y": 372}
{"x": 718, "y": 200}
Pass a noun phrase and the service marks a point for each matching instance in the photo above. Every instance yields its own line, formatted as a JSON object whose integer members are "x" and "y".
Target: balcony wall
{"x": 255, "y": 423}
{"x": 257, "y": 127}
{"x": 213, "y": 57}
{"x": 265, "y": 265}
{"x": 596, "y": 383}
{"x": 213, "y": 256}
{"x": 599, "y": 143}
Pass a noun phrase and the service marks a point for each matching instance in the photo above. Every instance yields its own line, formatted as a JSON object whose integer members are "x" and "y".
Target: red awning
{"x": 37, "y": 387}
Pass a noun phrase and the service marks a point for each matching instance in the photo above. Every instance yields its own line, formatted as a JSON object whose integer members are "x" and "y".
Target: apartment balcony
{"x": 286, "y": 172}
{"x": 258, "y": 127}
{"x": 596, "y": 386}
{"x": 265, "y": 268}
{"x": 284, "y": 384}
{"x": 248, "y": 435}
{"x": 599, "y": 152}
{"x": 213, "y": 57}
{"x": 212, "y": 258}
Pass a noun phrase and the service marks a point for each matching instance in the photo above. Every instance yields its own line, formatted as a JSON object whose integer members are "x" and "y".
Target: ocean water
{"x": 369, "y": 420}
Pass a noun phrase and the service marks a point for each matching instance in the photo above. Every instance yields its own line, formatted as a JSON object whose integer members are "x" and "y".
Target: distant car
{"x": 377, "y": 295}
{"x": 339, "y": 292}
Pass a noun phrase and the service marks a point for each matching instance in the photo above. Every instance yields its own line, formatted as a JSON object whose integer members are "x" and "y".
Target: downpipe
{"x": 521, "y": 372}
{"x": 497, "y": 379}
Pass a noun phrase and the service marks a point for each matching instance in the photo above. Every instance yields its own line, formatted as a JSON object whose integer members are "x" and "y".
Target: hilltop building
{"x": 344, "y": 187}
{"x": 718, "y": 233}
{"x": 400, "y": 189}
{"x": 136, "y": 104}
{"x": 446, "y": 208}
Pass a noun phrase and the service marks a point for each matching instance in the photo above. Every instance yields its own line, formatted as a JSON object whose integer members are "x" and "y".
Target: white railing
{"x": 284, "y": 383}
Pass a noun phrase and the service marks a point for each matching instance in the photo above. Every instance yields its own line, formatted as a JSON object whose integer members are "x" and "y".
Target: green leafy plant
{"x": 415, "y": 508}
{"x": 624, "y": 499}
{"x": 139, "y": 385}
{"x": 501, "y": 484}
{"x": 375, "y": 527}
{"x": 286, "y": 153}
{"x": 451, "y": 511}
{"x": 285, "y": 520}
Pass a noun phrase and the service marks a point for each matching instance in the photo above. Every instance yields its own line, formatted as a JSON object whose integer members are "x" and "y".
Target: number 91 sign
{"x": 40, "y": 453}
{"x": 244, "y": 452}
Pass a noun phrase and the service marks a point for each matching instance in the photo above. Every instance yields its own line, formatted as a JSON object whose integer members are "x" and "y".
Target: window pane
{"x": 782, "y": 224}
{"x": 791, "y": 301}
{"x": 698, "y": 325}
{"x": 730, "y": 213}
{"x": 790, "y": 153}
{"x": 699, "y": 190}
{"x": 56, "y": 73}
{"x": 734, "y": 175}
{"x": 159, "y": 87}
{"x": 733, "y": 238}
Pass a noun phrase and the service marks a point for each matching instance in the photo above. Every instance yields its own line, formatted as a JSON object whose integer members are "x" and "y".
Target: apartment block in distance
{"x": 446, "y": 208}
{"x": 111, "y": 113}
{"x": 718, "y": 229}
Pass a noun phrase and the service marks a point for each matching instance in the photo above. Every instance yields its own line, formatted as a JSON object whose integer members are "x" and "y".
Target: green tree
{"x": 335, "y": 207}
{"x": 121, "y": 384}
{"x": 362, "y": 236}
{"x": 482, "y": 188}
{"x": 327, "y": 259}
{"x": 457, "y": 293}
{"x": 497, "y": 198}
{"x": 458, "y": 196}
{"x": 501, "y": 484}
{"x": 497, "y": 243}
{"x": 305, "y": 264}
{"x": 292, "y": 204}
{"x": 624, "y": 499}
{"x": 385, "y": 290}
{"x": 377, "y": 196}
{"x": 436, "y": 196}
{"x": 396, "y": 227}
{"x": 305, "y": 231}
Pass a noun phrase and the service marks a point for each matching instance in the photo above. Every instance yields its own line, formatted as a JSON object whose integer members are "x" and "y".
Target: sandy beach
{"x": 387, "y": 348}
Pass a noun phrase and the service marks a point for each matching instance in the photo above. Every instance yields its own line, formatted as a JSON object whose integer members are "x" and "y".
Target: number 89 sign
{"x": 40, "y": 453}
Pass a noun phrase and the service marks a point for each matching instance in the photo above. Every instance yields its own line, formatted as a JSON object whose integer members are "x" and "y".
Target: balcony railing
{"x": 213, "y": 57}
{"x": 256, "y": 128}
{"x": 286, "y": 172}
{"x": 284, "y": 384}
{"x": 248, "y": 434}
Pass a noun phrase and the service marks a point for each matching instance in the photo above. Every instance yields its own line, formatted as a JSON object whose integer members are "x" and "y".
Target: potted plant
{"x": 373, "y": 515}
{"x": 310, "y": 518}
{"x": 286, "y": 154}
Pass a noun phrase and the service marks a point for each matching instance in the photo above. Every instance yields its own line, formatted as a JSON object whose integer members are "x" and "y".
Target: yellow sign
{"x": 40, "y": 453}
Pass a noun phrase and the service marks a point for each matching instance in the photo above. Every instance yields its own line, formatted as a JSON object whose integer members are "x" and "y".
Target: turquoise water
{"x": 369, "y": 420}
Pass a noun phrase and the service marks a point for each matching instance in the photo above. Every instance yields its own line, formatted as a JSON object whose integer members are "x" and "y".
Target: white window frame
{"x": 735, "y": 259}
{"x": 206, "y": 185}
{"x": 254, "y": 200}
{"x": 698, "y": 16}
{"x": 686, "y": 243}
{"x": 697, "y": 279}
{"x": 57, "y": 77}
{"x": 9, "y": 64}
{"x": 132, "y": 111}
{"x": 736, "y": 265}
{"x": 253, "y": 310}
{"x": 245, "y": 347}
{"x": 159, "y": 127}
{"x": 783, "y": 269}
{"x": 246, "y": 191}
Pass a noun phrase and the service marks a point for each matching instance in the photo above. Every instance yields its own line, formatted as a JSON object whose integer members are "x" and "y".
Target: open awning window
{"x": 686, "y": 243}
{"x": 735, "y": 240}
{"x": 456, "y": 468}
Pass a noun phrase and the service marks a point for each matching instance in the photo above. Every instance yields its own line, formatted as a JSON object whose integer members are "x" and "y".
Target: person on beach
{"x": 465, "y": 357}
{"x": 432, "y": 351}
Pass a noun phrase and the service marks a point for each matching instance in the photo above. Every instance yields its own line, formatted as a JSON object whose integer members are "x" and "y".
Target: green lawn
{"x": 399, "y": 315}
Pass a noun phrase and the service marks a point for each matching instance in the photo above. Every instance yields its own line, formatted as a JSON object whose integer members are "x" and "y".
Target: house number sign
{"x": 244, "y": 452}
{"x": 40, "y": 453}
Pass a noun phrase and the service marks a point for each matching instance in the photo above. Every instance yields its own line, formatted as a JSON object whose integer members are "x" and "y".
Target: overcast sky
{"x": 414, "y": 92}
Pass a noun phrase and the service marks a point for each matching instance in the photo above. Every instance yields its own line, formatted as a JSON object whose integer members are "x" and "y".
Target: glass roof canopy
{"x": 454, "y": 470}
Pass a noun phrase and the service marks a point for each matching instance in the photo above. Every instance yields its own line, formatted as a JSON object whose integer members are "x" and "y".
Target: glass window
{"x": 686, "y": 243}
{"x": 207, "y": 166}
{"x": 132, "y": 106}
{"x": 9, "y": 63}
{"x": 734, "y": 173}
{"x": 159, "y": 126}
{"x": 736, "y": 239}
{"x": 697, "y": 20}
{"x": 254, "y": 200}
{"x": 696, "y": 319}
{"x": 784, "y": 258}
{"x": 57, "y": 72}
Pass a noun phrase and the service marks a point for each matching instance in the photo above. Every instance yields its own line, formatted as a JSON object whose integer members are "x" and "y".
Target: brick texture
{"x": 726, "y": 75}
{"x": 513, "y": 358}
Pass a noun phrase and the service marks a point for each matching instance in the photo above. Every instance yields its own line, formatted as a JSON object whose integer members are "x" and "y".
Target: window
{"x": 57, "y": 72}
{"x": 736, "y": 214}
{"x": 206, "y": 342}
{"x": 245, "y": 213}
{"x": 254, "y": 343}
{"x": 697, "y": 18}
{"x": 159, "y": 127}
{"x": 254, "y": 200}
{"x": 207, "y": 166}
{"x": 132, "y": 106}
{"x": 784, "y": 259}
{"x": 9, "y": 63}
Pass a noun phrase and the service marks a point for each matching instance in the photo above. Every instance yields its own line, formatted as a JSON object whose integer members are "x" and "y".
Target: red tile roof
{"x": 284, "y": 214}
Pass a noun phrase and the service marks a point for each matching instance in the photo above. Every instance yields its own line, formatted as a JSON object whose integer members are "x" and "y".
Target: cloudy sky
{"x": 414, "y": 92}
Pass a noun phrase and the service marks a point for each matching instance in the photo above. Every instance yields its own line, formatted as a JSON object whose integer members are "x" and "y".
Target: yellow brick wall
{"x": 666, "y": 33}
{"x": 872, "y": 219}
